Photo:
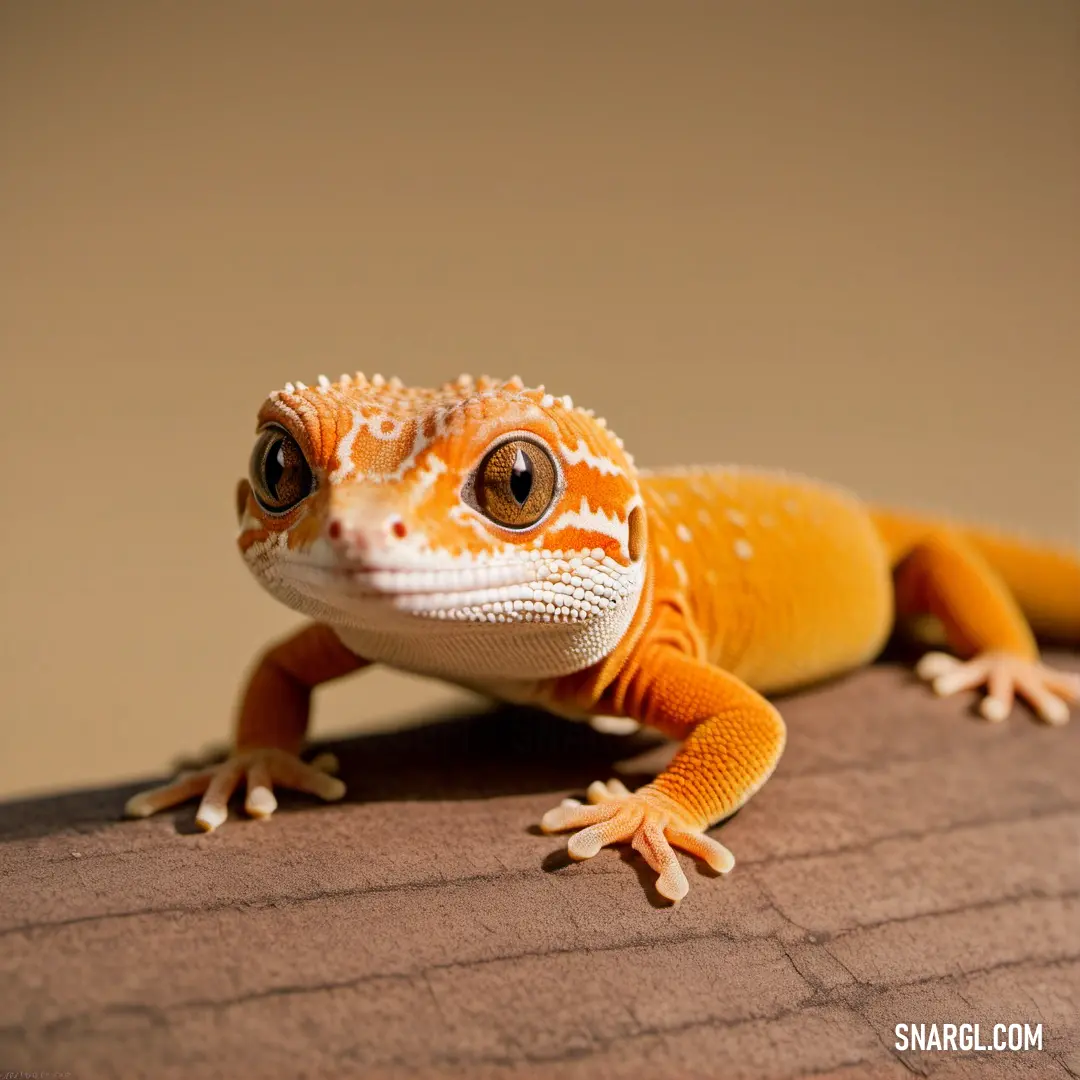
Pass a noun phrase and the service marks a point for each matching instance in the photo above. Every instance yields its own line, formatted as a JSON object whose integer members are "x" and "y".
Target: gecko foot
{"x": 260, "y": 768}
{"x": 648, "y": 820}
{"x": 1047, "y": 690}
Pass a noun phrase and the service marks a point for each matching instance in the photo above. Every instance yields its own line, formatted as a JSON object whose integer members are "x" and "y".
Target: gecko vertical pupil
{"x": 516, "y": 483}
{"x": 280, "y": 475}
{"x": 521, "y": 477}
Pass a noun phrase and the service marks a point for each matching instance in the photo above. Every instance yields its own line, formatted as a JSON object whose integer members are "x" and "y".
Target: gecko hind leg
{"x": 1005, "y": 676}
{"x": 945, "y": 576}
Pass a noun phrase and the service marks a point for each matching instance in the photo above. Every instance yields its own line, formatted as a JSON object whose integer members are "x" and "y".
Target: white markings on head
{"x": 595, "y": 521}
{"x": 344, "y": 449}
{"x": 683, "y": 533}
{"x": 374, "y": 425}
{"x": 743, "y": 548}
{"x": 385, "y": 427}
{"x": 604, "y": 466}
{"x": 680, "y": 572}
{"x": 465, "y": 515}
{"x": 426, "y": 477}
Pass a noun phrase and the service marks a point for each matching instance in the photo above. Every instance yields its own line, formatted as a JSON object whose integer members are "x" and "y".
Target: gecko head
{"x": 479, "y": 530}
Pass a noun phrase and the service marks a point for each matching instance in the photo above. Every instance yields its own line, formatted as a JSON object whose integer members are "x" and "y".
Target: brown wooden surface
{"x": 906, "y": 863}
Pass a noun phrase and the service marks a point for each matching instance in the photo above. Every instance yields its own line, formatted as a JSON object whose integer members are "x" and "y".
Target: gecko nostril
{"x": 399, "y": 529}
{"x": 334, "y": 530}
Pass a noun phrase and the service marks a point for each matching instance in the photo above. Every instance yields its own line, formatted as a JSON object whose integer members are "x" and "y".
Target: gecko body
{"x": 500, "y": 537}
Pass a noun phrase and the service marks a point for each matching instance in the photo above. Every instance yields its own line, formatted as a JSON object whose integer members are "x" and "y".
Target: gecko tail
{"x": 1044, "y": 578}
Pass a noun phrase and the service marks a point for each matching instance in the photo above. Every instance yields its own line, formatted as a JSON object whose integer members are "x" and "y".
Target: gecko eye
{"x": 516, "y": 484}
{"x": 280, "y": 475}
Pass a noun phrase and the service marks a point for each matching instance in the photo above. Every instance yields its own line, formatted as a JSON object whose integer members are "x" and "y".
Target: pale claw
{"x": 1047, "y": 690}
{"x": 261, "y": 769}
{"x": 647, "y": 820}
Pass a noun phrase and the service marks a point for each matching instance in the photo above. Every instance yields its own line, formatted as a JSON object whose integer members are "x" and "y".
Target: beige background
{"x": 839, "y": 237}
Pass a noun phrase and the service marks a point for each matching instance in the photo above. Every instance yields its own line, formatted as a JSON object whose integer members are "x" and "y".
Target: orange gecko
{"x": 501, "y": 538}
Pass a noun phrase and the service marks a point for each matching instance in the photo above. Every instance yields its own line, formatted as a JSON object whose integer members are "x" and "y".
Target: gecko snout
{"x": 360, "y": 541}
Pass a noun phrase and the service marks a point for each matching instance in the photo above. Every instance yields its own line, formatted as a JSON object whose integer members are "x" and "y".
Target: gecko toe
{"x": 703, "y": 847}
{"x": 963, "y": 677}
{"x": 1005, "y": 676}
{"x": 935, "y": 664}
{"x": 261, "y": 769}
{"x": 995, "y": 709}
{"x": 186, "y": 786}
{"x": 572, "y": 815}
{"x": 1048, "y": 706}
{"x": 654, "y": 847}
{"x": 621, "y": 826}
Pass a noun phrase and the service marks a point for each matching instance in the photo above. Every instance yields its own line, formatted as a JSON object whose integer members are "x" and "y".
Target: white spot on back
{"x": 683, "y": 533}
{"x": 704, "y": 517}
{"x": 736, "y": 517}
{"x": 743, "y": 548}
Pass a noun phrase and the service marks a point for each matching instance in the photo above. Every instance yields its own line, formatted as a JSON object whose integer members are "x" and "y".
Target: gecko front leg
{"x": 733, "y": 740}
{"x": 271, "y": 728}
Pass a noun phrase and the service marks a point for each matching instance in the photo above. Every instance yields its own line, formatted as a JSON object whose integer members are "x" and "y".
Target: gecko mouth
{"x": 535, "y": 586}
{"x": 422, "y": 590}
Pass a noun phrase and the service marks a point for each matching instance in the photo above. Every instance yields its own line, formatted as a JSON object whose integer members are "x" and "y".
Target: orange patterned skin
{"x": 501, "y": 538}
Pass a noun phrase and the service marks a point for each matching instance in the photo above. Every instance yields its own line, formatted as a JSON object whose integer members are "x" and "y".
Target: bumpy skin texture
{"x": 501, "y": 538}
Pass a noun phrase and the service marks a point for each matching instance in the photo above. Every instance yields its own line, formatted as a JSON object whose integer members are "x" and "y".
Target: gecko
{"x": 501, "y": 538}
